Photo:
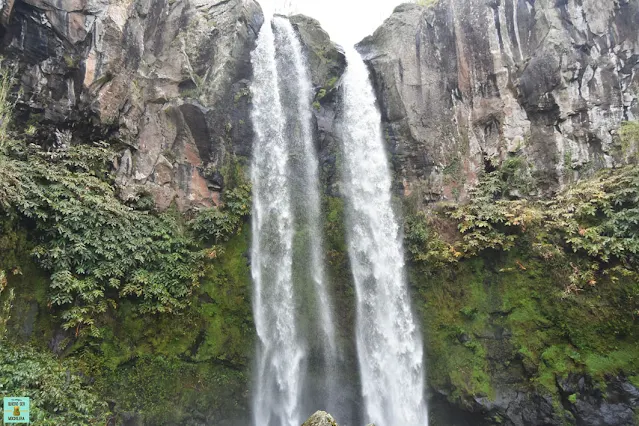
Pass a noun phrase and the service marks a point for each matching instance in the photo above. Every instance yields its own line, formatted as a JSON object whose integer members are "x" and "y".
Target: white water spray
{"x": 280, "y": 351}
{"x": 286, "y": 214}
{"x": 389, "y": 345}
{"x": 300, "y": 85}
{"x": 296, "y": 84}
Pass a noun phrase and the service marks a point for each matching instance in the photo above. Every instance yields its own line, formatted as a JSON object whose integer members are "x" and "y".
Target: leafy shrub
{"x": 218, "y": 225}
{"x": 597, "y": 218}
{"x": 424, "y": 243}
{"x": 58, "y": 396}
{"x": 97, "y": 248}
{"x": 488, "y": 221}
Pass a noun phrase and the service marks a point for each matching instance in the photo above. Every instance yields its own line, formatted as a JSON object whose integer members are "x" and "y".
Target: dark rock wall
{"x": 463, "y": 83}
{"x": 167, "y": 79}
{"x": 327, "y": 64}
{"x": 465, "y": 86}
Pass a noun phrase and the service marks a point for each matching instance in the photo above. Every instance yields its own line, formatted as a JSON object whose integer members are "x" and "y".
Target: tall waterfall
{"x": 389, "y": 345}
{"x": 286, "y": 215}
{"x": 305, "y": 169}
{"x": 281, "y": 352}
{"x": 297, "y": 94}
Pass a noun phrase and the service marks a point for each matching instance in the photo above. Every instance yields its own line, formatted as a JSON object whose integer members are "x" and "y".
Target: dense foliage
{"x": 217, "y": 226}
{"x": 529, "y": 291}
{"x": 58, "y": 394}
{"x": 97, "y": 248}
{"x": 118, "y": 275}
{"x": 598, "y": 219}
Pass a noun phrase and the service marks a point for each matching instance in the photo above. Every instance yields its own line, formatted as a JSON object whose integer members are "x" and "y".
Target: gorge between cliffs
{"x": 214, "y": 214}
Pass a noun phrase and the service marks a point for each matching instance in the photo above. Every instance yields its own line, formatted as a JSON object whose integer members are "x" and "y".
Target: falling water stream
{"x": 389, "y": 346}
{"x": 281, "y": 353}
{"x": 291, "y": 301}
{"x": 305, "y": 172}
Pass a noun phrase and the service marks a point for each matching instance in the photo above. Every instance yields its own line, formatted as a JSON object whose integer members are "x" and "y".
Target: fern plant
{"x": 97, "y": 248}
{"x": 598, "y": 219}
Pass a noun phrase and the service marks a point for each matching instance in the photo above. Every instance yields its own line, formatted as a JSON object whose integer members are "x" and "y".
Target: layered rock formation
{"x": 465, "y": 84}
{"x": 167, "y": 79}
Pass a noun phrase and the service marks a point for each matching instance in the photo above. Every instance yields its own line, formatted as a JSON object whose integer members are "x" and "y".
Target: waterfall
{"x": 281, "y": 352}
{"x": 389, "y": 346}
{"x": 286, "y": 256}
{"x": 297, "y": 93}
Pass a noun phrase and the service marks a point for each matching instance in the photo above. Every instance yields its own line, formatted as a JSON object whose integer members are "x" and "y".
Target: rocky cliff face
{"x": 327, "y": 64}
{"x": 468, "y": 86}
{"x": 465, "y": 84}
{"x": 167, "y": 79}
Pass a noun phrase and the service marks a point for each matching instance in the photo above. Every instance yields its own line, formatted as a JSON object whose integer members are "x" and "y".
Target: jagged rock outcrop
{"x": 465, "y": 84}
{"x": 327, "y": 64}
{"x": 320, "y": 418}
{"x": 591, "y": 406}
{"x": 168, "y": 79}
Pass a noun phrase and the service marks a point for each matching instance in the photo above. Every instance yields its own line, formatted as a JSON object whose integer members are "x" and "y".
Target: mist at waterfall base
{"x": 300, "y": 367}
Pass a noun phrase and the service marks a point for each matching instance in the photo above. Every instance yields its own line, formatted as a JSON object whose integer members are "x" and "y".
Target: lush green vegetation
{"x": 598, "y": 219}
{"x": 531, "y": 290}
{"x": 155, "y": 304}
{"x": 629, "y": 138}
{"x": 58, "y": 394}
{"x": 98, "y": 249}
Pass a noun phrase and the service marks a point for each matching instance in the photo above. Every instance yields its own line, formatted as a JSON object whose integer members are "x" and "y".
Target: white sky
{"x": 347, "y": 21}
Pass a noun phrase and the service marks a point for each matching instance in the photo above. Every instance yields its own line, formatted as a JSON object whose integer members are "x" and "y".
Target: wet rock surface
{"x": 327, "y": 64}
{"x": 320, "y": 418}
{"x": 463, "y": 84}
{"x": 167, "y": 79}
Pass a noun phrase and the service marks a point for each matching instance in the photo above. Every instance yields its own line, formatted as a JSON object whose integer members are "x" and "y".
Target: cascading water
{"x": 297, "y": 93}
{"x": 389, "y": 345}
{"x": 286, "y": 214}
{"x": 281, "y": 352}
